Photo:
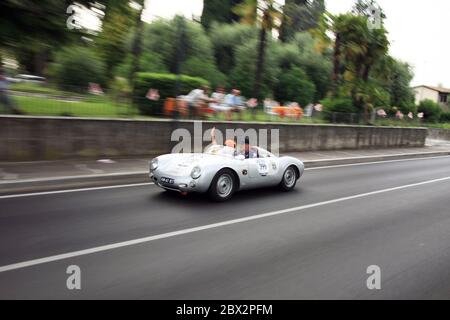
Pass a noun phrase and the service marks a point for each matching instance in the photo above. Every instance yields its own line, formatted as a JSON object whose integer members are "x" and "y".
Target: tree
{"x": 219, "y": 11}
{"x": 75, "y": 67}
{"x": 119, "y": 15}
{"x": 314, "y": 62}
{"x": 294, "y": 86}
{"x": 395, "y": 77}
{"x": 136, "y": 48}
{"x": 268, "y": 14}
{"x": 245, "y": 66}
{"x": 32, "y": 30}
{"x": 299, "y": 16}
{"x": 161, "y": 46}
{"x": 226, "y": 38}
{"x": 357, "y": 49}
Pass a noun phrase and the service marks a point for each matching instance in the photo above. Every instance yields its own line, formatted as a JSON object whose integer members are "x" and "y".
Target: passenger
{"x": 229, "y": 148}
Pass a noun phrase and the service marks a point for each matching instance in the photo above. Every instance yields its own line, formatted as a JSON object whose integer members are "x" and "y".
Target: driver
{"x": 249, "y": 151}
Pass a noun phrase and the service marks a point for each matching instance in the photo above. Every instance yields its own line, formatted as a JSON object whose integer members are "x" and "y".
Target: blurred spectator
{"x": 252, "y": 104}
{"x": 309, "y": 110}
{"x": 218, "y": 104}
{"x": 153, "y": 94}
{"x": 95, "y": 88}
{"x": 4, "y": 97}
{"x": 234, "y": 101}
{"x": 318, "y": 108}
{"x": 198, "y": 101}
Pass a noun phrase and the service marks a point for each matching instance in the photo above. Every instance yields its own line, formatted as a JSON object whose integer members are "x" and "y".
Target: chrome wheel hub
{"x": 289, "y": 177}
{"x": 224, "y": 185}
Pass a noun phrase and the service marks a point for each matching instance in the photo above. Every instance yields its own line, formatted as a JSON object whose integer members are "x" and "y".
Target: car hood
{"x": 177, "y": 165}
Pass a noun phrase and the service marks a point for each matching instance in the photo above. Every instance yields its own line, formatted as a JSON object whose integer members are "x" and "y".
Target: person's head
{"x": 234, "y": 92}
{"x": 247, "y": 144}
{"x": 230, "y": 143}
{"x": 220, "y": 90}
{"x": 205, "y": 88}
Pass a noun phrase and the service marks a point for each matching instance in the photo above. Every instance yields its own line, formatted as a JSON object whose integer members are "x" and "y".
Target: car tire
{"x": 289, "y": 179}
{"x": 222, "y": 186}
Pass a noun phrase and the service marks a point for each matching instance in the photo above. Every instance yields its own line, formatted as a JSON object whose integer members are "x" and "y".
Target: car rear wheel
{"x": 223, "y": 186}
{"x": 289, "y": 179}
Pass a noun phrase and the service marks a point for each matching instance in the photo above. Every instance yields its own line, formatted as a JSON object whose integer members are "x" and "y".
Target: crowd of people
{"x": 199, "y": 102}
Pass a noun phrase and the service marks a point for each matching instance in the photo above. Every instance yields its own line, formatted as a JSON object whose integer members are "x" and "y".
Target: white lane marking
{"x": 87, "y": 176}
{"x": 151, "y": 183}
{"x": 84, "y": 167}
{"x": 118, "y": 245}
{"x": 75, "y": 190}
{"x": 373, "y": 162}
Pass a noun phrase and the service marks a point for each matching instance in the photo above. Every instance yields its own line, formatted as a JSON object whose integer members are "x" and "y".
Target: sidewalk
{"x": 44, "y": 175}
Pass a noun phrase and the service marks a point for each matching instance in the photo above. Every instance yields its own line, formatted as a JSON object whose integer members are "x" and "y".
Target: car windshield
{"x": 231, "y": 152}
{"x": 219, "y": 150}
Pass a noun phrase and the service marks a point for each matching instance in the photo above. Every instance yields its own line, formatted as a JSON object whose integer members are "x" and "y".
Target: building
{"x": 436, "y": 94}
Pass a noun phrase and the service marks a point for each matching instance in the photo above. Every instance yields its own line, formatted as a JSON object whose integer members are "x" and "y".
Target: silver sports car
{"x": 221, "y": 174}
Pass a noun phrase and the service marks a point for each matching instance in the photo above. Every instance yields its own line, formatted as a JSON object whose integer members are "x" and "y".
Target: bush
{"x": 338, "y": 105}
{"x": 432, "y": 111}
{"x": 75, "y": 67}
{"x": 294, "y": 86}
{"x": 166, "y": 84}
{"x": 445, "y": 117}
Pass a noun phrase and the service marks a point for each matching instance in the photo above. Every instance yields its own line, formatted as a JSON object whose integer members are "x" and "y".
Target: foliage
{"x": 219, "y": 11}
{"x": 294, "y": 86}
{"x": 432, "y": 111}
{"x": 317, "y": 65}
{"x": 299, "y": 16}
{"x": 166, "y": 85}
{"x": 242, "y": 75}
{"x": 75, "y": 67}
{"x": 226, "y": 38}
{"x": 188, "y": 46}
{"x": 338, "y": 105}
{"x": 445, "y": 117}
{"x": 115, "y": 29}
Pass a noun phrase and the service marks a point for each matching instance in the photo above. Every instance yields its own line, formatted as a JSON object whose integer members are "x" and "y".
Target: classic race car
{"x": 221, "y": 175}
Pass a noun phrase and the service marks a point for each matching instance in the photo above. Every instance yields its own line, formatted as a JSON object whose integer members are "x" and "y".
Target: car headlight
{"x": 154, "y": 164}
{"x": 196, "y": 172}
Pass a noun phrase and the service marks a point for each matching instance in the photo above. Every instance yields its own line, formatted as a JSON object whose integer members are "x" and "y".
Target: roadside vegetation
{"x": 297, "y": 52}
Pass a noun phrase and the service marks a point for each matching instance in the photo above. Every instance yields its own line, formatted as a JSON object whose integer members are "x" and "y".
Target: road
{"x": 314, "y": 243}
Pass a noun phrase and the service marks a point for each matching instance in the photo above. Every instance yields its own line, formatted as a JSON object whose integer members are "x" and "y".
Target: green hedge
{"x": 431, "y": 110}
{"x": 338, "y": 106}
{"x": 166, "y": 84}
{"x": 445, "y": 117}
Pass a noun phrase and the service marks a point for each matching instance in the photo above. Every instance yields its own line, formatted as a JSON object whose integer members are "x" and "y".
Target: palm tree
{"x": 267, "y": 14}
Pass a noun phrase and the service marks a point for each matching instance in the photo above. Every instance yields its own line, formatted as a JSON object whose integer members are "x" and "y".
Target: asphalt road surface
{"x": 139, "y": 242}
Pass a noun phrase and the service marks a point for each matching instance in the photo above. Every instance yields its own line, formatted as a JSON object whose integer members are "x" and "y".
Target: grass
{"x": 30, "y": 87}
{"x": 100, "y": 107}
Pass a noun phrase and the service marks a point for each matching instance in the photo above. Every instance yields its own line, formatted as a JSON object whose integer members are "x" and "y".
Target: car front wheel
{"x": 223, "y": 186}
{"x": 289, "y": 179}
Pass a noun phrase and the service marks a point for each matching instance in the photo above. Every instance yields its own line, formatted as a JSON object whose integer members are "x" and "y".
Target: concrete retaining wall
{"x": 439, "y": 134}
{"x": 45, "y": 138}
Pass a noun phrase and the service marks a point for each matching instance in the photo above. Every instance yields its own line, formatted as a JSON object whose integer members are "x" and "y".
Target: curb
{"x": 90, "y": 181}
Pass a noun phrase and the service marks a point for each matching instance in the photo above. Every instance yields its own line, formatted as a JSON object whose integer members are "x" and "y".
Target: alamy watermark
{"x": 374, "y": 280}
{"x": 193, "y": 142}
{"x": 73, "y": 282}
{"x": 375, "y": 18}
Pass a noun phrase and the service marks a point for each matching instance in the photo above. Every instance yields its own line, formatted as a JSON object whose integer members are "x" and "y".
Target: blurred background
{"x": 244, "y": 60}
